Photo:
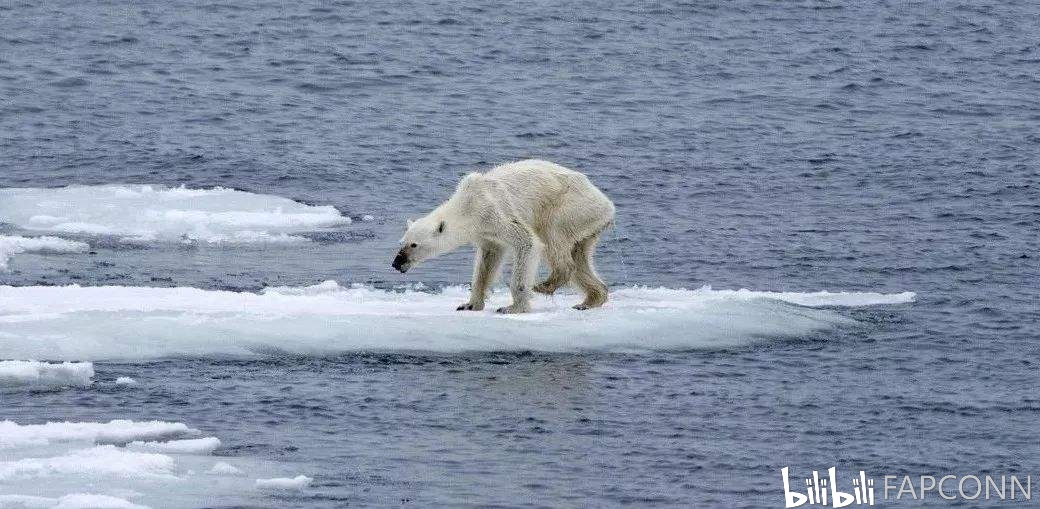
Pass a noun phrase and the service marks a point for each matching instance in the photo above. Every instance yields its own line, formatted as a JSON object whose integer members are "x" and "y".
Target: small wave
{"x": 70, "y": 83}
{"x": 144, "y": 213}
{"x": 116, "y": 322}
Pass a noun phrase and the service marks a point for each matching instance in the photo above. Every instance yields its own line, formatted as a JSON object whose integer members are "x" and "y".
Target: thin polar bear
{"x": 530, "y": 208}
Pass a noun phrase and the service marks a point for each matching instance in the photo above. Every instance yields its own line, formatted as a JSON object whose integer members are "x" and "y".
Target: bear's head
{"x": 425, "y": 238}
{"x": 448, "y": 227}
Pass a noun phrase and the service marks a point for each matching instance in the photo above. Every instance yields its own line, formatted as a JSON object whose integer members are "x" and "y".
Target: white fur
{"x": 529, "y": 208}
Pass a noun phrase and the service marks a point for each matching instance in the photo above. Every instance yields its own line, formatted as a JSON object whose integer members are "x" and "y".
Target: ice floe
{"x": 112, "y": 432}
{"x": 115, "y": 322}
{"x": 73, "y": 501}
{"x": 188, "y": 446}
{"x": 284, "y": 483}
{"x": 98, "y": 461}
{"x": 12, "y": 245}
{"x": 222, "y": 468}
{"x": 127, "y": 464}
{"x": 44, "y": 375}
{"x": 146, "y": 213}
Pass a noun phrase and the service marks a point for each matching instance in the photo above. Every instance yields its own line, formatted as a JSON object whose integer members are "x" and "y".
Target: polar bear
{"x": 530, "y": 208}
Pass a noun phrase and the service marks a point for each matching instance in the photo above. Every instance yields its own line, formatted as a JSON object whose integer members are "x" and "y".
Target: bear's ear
{"x": 440, "y": 227}
{"x": 410, "y": 222}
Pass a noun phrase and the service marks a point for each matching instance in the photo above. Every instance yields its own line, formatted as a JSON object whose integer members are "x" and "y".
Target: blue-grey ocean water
{"x": 790, "y": 146}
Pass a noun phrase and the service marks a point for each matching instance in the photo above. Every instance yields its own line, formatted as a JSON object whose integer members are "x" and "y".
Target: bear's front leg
{"x": 525, "y": 267}
{"x": 485, "y": 269}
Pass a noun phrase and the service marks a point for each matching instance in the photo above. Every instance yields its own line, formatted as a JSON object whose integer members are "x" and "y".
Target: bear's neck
{"x": 459, "y": 220}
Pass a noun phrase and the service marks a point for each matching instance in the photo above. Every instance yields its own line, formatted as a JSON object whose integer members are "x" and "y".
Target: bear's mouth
{"x": 401, "y": 262}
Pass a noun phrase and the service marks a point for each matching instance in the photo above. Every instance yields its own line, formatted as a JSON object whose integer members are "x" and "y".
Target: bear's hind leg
{"x": 585, "y": 274}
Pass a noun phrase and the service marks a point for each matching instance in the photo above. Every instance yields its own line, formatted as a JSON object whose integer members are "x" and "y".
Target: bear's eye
{"x": 414, "y": 245}
{"x": 440, "y": 227}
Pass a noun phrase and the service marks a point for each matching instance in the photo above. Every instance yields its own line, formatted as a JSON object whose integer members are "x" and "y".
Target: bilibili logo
{"x": 821, "y": 491}
{"x": 828, "y": 491}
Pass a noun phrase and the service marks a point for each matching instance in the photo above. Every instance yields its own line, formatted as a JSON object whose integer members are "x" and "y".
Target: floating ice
{"x": 114, "y": 322}
{"x": 116, "y": 431}
{"x": 146, "y": 213}
{"x": 12, "y": 245}
{"x": 284, "y": 483}
{"x": 822, "y": 299}
{"x": 125, "y": 380}
{"x": 68, "y": 464}
{"x": 44, "y": 375}
{"x": 189, "y": 446}
{"x": 102, "y": 461}
{"x": 73, "y": 501}
{"x": 221, "y": 468}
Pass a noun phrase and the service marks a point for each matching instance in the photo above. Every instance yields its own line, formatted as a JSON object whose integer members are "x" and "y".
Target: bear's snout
{"x": 401, "y": 262}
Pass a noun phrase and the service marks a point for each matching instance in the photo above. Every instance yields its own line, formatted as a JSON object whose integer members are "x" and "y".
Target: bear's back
{"x": 533, "y": 187}
{"x": 535, "y": 181}
{"x": 527, "y": 168}
{"x": 542, "y": 176}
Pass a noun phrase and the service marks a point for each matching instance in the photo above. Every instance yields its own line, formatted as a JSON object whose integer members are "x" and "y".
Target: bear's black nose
{"x": 400, "y": 262}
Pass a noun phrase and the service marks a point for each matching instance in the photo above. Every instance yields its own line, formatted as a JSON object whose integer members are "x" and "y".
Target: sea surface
{"x": 876, "y": 146}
